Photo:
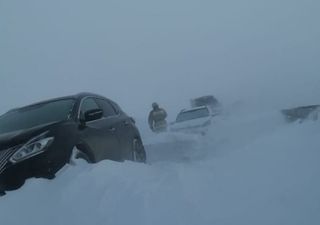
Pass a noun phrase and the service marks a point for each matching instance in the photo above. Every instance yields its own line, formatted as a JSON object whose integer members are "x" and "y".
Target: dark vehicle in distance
{"x": 39, "y": 139}
{"x": 208, "y": 100}
{"x": 302, "y": 113}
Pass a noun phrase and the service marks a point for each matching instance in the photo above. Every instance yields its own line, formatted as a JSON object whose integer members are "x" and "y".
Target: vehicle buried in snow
{"x": 302, "y": 113}
{"x": 195, "y": 120}
{"x": 39, "y": 139}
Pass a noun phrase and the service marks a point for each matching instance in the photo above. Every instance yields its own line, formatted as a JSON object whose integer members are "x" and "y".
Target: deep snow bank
{"x": 250, "y": 169}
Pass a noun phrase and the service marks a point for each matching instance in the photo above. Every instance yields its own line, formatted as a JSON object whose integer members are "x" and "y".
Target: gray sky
{"x": 136, "y": 52}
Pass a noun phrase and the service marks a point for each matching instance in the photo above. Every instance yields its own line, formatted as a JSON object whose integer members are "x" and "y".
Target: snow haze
{"x": 255, "y": 56}
{"x": 137, "y": 52}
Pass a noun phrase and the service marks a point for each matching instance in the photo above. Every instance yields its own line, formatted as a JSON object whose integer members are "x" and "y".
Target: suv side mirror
{"x": 93, "y": 114}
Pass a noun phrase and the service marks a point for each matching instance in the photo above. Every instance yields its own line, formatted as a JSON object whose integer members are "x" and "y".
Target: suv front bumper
{"x": 13, "y": 176}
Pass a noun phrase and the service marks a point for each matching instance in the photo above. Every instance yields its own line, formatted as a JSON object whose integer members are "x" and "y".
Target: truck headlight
{"x": 32, "y": 148}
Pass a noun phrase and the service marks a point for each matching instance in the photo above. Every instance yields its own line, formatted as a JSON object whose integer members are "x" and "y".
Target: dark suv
{"x": 39, "y": 139}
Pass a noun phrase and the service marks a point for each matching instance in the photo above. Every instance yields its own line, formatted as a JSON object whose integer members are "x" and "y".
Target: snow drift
{"x": 250, "y": 169}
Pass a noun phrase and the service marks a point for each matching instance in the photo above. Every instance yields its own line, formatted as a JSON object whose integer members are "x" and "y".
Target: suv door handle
{"x": 112, "y": 129}
{"x": 126, "y": 123}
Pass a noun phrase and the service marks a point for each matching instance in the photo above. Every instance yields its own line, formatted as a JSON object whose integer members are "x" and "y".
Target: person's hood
{"x": 14, "y": 138}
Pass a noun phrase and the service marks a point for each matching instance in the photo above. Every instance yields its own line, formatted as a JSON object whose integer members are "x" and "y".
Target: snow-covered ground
{"x": 251, "y": 169}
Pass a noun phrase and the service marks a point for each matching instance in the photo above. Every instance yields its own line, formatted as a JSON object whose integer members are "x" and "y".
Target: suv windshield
{"x": 36, "y": 115}
{"x": 192, "y": 114}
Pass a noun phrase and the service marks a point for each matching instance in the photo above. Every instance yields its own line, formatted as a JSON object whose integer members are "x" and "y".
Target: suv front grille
{"x": 5, "y": 156}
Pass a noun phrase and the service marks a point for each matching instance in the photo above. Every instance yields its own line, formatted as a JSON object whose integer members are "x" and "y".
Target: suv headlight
{"x": 32, "y": 148}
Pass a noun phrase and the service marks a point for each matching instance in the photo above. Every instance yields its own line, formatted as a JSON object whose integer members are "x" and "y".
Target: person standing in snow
{"x": 157, "y": 119}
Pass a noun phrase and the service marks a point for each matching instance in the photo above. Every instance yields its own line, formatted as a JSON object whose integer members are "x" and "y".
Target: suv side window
{"x": 108, "y": 109}
{"x": 88, "y": 104}
{"x": 116, "y": 107}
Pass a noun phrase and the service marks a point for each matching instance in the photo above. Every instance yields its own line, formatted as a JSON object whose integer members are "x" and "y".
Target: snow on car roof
{"x": 194, "y": 109}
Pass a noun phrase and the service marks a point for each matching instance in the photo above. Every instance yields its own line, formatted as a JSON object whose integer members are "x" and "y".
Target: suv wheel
{"x": 138, "y": 152}
{"x": 78, "y": 155}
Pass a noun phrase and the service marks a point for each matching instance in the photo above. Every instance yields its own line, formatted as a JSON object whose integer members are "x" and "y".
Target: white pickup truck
{"x": 194, "y": 120}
